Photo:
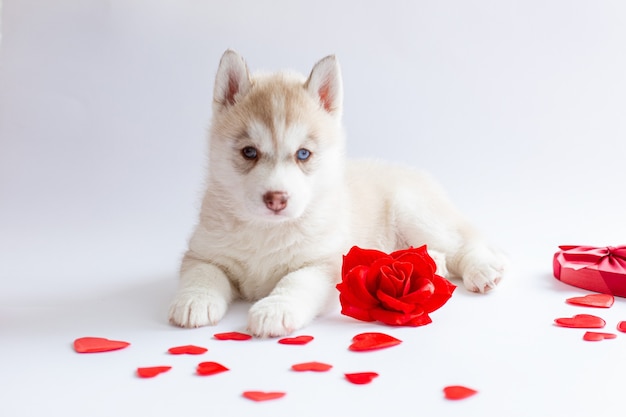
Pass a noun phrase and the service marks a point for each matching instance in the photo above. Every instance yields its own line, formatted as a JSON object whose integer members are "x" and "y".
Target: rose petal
{"x": 396, "y": 278}
{"x": 593, "y": 300}
{"x": 388, "y": 282}
{"x": 394, "y": 304}
{"x": 424, "y": 287}
{"x": 151, "y": 372}
{"x": 621, "y": 326}
{"x": 372, "y": 280}
{"x": 395, "y": 318}
{"x": 354, "y": 290}
{"x": 417, "y": 256}
{"x": 358, "y": 257}
{"x": 354, "y": 312}
{"x": 210, "y": 368}
{"x": 420, "y": 251}
{"x": 458, "y": 392}
{"x": 263, "y": 395}
{"x": 422, "y": 267}
{"x": 298, "y": 340}
{"x": 373, "y": 340}
{"x": 97, "y": 344}
{"x": 361, "y": 378}
{"x": 598, "y": 336}
{"x": 443, "y": 292}
{"x": 232, "y": 336}
{"x": 311, "y": 366}
{"x": 581, "y": 321}
{"x": 187, "y": 349}
{"x": 419, "y": 320}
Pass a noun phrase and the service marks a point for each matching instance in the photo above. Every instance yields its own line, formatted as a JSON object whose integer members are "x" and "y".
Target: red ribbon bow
{"x": 607, "y": 259}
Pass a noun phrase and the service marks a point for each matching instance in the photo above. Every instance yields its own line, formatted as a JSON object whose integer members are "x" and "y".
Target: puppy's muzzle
{"x": 275, "y": 200}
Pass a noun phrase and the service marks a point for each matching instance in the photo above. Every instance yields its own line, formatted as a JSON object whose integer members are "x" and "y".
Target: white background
{"x": 517, "y": 107}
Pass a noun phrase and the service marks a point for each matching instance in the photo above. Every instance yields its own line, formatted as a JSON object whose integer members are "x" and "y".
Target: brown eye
{"x": 249, "y": 153}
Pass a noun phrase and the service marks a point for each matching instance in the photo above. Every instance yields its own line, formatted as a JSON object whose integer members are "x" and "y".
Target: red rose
{"x": 398, "y": 289}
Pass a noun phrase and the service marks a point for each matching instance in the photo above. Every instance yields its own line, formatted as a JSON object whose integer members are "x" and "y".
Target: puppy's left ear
{"x": 325, "y": 83}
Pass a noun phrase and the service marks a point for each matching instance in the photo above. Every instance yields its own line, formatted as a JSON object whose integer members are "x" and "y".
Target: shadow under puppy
{"x": 282, "y": 205}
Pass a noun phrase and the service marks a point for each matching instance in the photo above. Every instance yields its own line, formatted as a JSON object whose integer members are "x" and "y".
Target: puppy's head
{"x": 276, "y": 139}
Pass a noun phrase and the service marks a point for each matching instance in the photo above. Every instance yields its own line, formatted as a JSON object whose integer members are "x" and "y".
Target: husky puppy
{"x": 282, "y": 205}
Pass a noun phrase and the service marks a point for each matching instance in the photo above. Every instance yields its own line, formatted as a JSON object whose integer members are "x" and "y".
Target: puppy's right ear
{"x": 232, "y": 81}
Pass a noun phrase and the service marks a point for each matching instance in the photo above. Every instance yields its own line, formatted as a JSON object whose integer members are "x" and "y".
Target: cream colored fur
{"x": 288, "y": 259}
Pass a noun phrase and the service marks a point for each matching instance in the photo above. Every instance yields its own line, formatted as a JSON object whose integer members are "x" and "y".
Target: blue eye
{"x": 303, "y": 154}
{"x": 249, "y": 152}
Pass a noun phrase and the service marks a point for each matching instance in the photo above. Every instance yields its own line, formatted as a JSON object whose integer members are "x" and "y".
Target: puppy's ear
{"x": 232, "y": 81}
{"x": 325, "y": 83}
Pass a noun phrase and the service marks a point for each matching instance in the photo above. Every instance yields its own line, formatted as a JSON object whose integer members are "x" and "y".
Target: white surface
{"x": 517, "y": 107}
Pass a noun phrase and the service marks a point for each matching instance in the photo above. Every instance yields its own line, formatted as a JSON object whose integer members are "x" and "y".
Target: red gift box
{"x": 599, "y": 269}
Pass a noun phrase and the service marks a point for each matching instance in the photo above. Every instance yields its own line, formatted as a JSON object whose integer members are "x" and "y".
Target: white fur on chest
{"x": 255, "y": 257}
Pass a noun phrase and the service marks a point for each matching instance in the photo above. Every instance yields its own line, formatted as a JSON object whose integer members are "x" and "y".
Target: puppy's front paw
{"x": 196, "y": 308}
{"x": 276, "y": 315}
{"x": 483, "y": 278}
{"x": 482, "y": 268}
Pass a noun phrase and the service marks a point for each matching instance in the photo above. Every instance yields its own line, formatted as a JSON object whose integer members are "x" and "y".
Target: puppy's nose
{"x": 275, "y": 200}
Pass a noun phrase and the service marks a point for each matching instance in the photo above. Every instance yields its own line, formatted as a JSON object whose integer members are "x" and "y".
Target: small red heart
{"x": 621, "y": 326}
{"x": 187, "y": 349}
{"x": 298, "y": 340}
{"x": 210, "y": 368}
{"x": 581, "y": 321}
{"x": 598, "y": 336}
{"x": 311, "y": 366}
{"x": 262, "y": 395}
{"x": 152, "y": 371}
{"x": 458, "y": 392}
{"x": 97, "y": 344}
{"x": 232, "y": 336}
{"x": 593, "y": 300}
{"x": 371, "y": 341}
{"x": 361, "y": 378}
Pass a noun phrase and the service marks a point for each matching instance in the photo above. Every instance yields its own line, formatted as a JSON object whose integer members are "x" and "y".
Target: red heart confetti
{"x": 361, "y": 378}
{"x": 187, "y": 349}
{"x": 298, "y": 340}
{"x": 232, "y": 336}
{"x": 581, "y": 321}
{"x": 152, "y": 371}
{"x": 97, "y": 344}
{"x": 598, "y": 336}
{"x": 371, "y": 341}
{"x": 210, "y": 368}
{"x": 621, "y": 326}
{"x": 458, "y": 392}
{"x": 593, "y": 300}
{"x": 262, "y": 395}
{"x": 311, "y": 366}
